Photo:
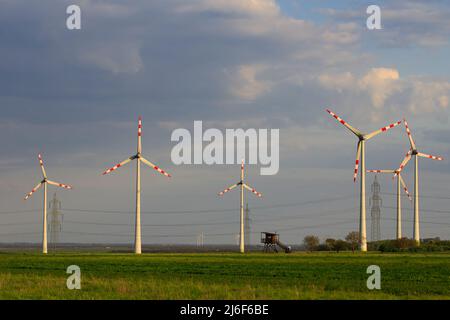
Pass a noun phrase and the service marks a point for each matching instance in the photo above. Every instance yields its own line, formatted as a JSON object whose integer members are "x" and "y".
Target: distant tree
{"x": 404, "y": 243}
{"x": 330, "y": 244}
{"x": 311, "y": 242}
{"x": 340, "y": 245}
{"x": 323, "y": 247}
{"x": 353, "y": 239}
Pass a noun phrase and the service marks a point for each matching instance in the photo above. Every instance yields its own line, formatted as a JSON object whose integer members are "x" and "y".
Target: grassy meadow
{"x": 225, "y": 276}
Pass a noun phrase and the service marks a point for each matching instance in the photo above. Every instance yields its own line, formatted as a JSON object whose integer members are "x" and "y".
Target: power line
{"x": 29, "y": 223}
{"x": 258, "y": 221}
{"x": 427, "y": 222}
{"x": 192, "y": 211}
{"x": 420, "y": 196}
{"x": 18, "y": 211}
{"x": 20, "y": 233}
{"x": 424, "y": 210}
{"x": 151, "y": 225}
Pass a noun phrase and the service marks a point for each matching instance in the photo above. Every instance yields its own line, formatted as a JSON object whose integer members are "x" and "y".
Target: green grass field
{"x": 225, "y": 276}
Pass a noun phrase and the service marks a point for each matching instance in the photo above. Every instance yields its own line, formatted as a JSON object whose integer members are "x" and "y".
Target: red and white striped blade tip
{"x": 335, "y": 116}
{"x": 31, "y": 193}
{"x": 430, "y": 156}
{"x": 117, "y": 166}
{"x": 257, "y": 193}
{"x": 392, "y": 125}
{"x": 162, "y": 171}
{"x": 140, "y": 126}
{"x": 355, "y": 174}
{"x": 226, "y": 190}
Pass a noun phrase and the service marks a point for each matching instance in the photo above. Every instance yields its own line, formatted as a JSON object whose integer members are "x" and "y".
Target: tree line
{"x": 351, "y": 242}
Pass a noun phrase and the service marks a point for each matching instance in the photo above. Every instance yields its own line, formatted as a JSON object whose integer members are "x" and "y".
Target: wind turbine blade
{"x": 155, "y": 167}
{"x": 41, "y": 163}
{"x": 33, "y": 191}
{"x": 242, "y": 170}
{"x": 253, "y": 190}
{"x": 65, "y": 186}
{"x": 424, "y": 155}
{"x": 404, "y": 163}
{"x": 404, "y": 187}
{"x": 140, "y": 126}
{"x": 228, "y": 189}
{"x": 140, "y": 134}
{"x": 411, "y": 140}
{"x": 354, "y": 130}
{"x": 384, "y": 129}
{"x": 358, "y": 155}
{"x": 117, "y": 166}
{"x": 380, "y": 171}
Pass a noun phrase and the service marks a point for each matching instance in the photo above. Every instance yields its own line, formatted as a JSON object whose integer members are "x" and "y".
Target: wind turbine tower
{"x": 414, "y": 152}
{"x": 45, "y": 182}
{"x": 242, "y": 186}
{"x": 139, "y": 159}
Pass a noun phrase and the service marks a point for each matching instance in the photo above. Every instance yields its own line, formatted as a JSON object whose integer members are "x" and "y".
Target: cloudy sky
{"x": 75, "y": 96}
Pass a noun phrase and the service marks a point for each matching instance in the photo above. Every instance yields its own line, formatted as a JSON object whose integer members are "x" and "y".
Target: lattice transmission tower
{"x": 56, "y": 220}
{"x": 248, "y": 227}
{"x": 200, "y": 239}
{"x": 375, "y": 213}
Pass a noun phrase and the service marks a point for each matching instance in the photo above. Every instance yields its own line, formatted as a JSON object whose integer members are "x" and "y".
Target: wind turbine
{"x": 400, "y": 183}
{"x": 360, "y": 160}
{"x": 246, "y": 186}
{"x": 138, "y": 156}
{"x": 45, "y": 182}
{"x": 414, "y": 152}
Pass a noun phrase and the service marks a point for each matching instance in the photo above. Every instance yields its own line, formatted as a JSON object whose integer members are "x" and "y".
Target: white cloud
{"x": 429, "y": 96}
{"x": 245, "y": 83}
{"x": 115, "y": 58}
{"x": 264, "y": 8}
{"x": 387, "y": 91}
{"x": 380, "y": 83}
{"x": 339, "y": 82}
